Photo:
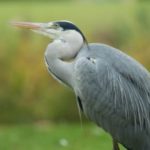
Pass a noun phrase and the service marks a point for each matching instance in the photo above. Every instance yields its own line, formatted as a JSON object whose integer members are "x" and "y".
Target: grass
{"x": 43, "y": 136}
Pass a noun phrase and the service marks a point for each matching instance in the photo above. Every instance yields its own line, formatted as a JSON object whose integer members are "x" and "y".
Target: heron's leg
{"x": 115, "y": 145}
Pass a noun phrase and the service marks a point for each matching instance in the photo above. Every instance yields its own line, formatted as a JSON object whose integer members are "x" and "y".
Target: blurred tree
{"x": 36, "y": 0}
{"x": 143, "y": 0}
{"x": 143, "y": 18}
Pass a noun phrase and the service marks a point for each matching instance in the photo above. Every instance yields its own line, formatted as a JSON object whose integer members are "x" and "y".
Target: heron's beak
{"x": 27, "y": 25}
{"x": 46, "y": 29}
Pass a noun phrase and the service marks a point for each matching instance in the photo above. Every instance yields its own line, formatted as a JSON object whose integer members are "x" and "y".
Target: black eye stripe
{"x": 67, "y": 26}
{"x": 70, "y": 26}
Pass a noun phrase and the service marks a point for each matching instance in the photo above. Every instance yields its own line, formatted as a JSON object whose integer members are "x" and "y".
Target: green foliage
{"x": 27, "y": 92}
{"x": 35, "y": 1}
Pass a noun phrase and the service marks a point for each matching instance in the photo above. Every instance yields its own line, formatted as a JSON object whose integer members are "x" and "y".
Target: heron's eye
{"x": 55, "y": 26}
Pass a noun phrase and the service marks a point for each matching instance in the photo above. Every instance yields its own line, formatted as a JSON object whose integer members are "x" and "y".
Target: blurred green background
{"x": 36, "y": 112}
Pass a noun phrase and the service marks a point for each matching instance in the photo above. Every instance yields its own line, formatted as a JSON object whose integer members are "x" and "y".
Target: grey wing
{"x": 110, "y": 92}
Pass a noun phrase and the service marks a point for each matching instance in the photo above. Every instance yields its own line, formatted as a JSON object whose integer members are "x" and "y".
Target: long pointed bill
{"x": 27, "y": 25}
{"x": 46, "y": 29}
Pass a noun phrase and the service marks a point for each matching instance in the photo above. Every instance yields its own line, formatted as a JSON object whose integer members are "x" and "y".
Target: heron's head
{"x": 64, "y": 30}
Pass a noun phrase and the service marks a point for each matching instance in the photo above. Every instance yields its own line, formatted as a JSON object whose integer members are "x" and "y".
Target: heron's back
{"x": 115, "y": 93}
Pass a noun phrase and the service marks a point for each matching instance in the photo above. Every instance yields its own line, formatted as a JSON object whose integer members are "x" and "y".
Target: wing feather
{"x": 128, "y": 94}
{"x": 115, "y": 93}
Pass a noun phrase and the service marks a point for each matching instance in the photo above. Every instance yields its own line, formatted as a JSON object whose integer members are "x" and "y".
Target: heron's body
{"x": 118, "y": 94}
{"x": 112, "y": 89}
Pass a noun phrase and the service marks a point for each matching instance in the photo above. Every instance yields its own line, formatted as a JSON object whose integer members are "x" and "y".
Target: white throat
{"x": 60, "y": 51}
{"x": 73, "y": 38}
{"x": 65, "y": 46}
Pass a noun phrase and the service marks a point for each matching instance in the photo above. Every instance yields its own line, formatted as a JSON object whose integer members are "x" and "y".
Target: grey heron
{"x": 112, "y": 89}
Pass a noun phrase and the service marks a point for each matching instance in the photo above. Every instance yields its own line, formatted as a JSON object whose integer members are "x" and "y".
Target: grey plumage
{"x": 112, "y": 89}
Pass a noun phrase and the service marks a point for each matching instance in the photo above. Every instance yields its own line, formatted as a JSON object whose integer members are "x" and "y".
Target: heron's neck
{"x": 56, "y": 55}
